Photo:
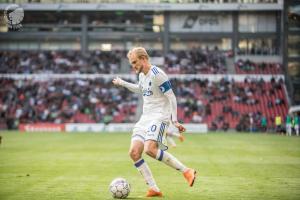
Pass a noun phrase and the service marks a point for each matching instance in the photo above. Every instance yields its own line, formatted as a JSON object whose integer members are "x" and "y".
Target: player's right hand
{"x": 179, "y": 126}
{"x": 117, "y": 81}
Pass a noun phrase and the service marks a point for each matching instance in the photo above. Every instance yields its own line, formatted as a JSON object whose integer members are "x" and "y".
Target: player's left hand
{"x": 180, "y": 127}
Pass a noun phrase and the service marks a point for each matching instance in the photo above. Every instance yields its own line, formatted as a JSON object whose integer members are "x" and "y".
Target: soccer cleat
{"x": 190, "y": 176}
{"x": 181, "y": 138}
{"x": 153, "y": 193}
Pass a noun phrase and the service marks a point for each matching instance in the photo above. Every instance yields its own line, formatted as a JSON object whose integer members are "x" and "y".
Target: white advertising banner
{"x": 84, "y": 127}
{"x": 196, "y": 128}
{"x": 196, "y": 22}
{"x": 115, "y": 127}
{"x": 193, "y": 128}
{"x": 124, "y": 127}
{"x": 120, "y": 127}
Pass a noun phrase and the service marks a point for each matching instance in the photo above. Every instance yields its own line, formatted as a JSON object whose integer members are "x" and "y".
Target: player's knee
{"x": 134, "y": 154}
{"x": 150, "y": 152}
{"x": 151, "y": 148}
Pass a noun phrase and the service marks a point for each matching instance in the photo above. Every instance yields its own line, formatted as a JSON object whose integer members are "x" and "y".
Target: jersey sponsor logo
{"x": 147, "y": 92}
{"x": 165, "y": 86}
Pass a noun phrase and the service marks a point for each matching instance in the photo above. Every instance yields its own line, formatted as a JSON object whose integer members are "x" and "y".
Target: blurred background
{"x": 233, "y": 64}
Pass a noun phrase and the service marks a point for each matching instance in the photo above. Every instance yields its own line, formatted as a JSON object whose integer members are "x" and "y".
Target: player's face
{"x": 136, "y": 63}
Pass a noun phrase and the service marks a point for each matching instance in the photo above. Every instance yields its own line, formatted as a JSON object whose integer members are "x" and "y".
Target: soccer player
{"x": 159, "y": 108}
{"x": 288, "y": 125}
{"x": 296, "y": 122}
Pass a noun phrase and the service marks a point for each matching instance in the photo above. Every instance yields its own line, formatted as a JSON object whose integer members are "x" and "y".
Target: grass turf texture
{"x": 80, "y": 166}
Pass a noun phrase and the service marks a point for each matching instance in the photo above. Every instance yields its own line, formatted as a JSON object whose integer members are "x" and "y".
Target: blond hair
{"x": 139, "y": 52}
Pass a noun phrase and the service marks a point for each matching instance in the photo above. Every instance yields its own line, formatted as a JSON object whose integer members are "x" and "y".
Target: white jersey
{"x": 153, "y": 86}
{"x": 159, "y": 107}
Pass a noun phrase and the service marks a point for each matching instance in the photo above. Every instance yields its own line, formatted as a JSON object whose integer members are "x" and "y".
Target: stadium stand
{"x": 249, "y": 67}
{"x": 195, "y": 61}
{"x": 64, "y": 101}
{"x": 60, "y": 62}
{"x": 218, "y": 38}
{"x": 222, "y": 105}
{"x": 227, "y": 103}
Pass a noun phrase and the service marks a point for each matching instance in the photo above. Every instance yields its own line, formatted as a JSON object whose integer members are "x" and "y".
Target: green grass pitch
{"x": 39, "y": 166}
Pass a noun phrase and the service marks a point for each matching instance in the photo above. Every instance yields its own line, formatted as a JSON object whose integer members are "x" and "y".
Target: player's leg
{"x": 171, "y": 141}
{"x": 155, "y": 136}
{"x": 136, "y": 149}
{"x": 135, "y": 152}
{"x": 151, "y": 148}
{"x": 289, "y": 129}
{"x": 297, "y": 129}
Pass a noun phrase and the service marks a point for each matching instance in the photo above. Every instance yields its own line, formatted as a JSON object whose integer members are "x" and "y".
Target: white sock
{"x": 145, "y": 171}
{"x": 170, "y": 160}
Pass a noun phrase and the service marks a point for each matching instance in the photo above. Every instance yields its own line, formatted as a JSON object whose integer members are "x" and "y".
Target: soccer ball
{"x": 119, "y": 188}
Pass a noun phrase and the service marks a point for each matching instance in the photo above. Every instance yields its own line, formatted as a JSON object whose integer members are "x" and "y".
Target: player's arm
{"x": 166, "y": 88}
{"x": 173, "y": 103}
{"x": 130, "y": 86}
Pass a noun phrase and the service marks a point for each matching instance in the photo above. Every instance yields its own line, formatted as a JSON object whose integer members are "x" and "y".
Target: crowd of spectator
{"x": 222, "y": 105}
{"x": 258, "y": 51}
{"x": 246, "y": 106}
{"x": 249, "y": 67}
{"x": 64, "y": 101}
{"x": 250, "y": 105}
{"x": 60, "y": 62}
{"x": 196, "y": 61}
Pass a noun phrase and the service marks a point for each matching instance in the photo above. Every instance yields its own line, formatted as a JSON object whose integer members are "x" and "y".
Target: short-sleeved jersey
{"x": 153, "y": 86}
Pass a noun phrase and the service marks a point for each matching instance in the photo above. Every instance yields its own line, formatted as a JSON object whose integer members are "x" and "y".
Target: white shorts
{"x": 151, "y": 129}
